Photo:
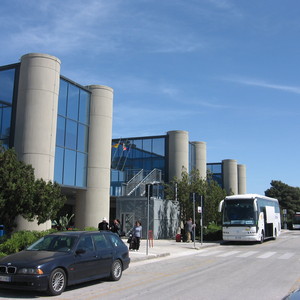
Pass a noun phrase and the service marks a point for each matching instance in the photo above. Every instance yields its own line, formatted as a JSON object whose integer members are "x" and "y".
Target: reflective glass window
{"x": 84, "y": 107}
{"x": 147, "y": 143}
{"x": 73, "y": 102}
{"x": 59, "y": 164}
{"x": 5, "y": 122}
{"x": 7, "y": 78}
{"x": 71, "y": 134}
{"x": 81, "y": 167}
{"x": 159, "y": 146}
{"x": 60, "y": 131}
{"x": 62, "y": 99}
{"x": 82, "y": 144}
{"x": 69, "y": 167}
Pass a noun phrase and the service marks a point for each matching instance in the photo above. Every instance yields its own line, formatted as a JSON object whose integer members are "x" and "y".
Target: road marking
{"x": 286, "y": 255}
{"x": 207, "y": 253}
{"x": 247, "y": 254}
{"x": 228, "y": 253}
{"x": 266, "y": 255}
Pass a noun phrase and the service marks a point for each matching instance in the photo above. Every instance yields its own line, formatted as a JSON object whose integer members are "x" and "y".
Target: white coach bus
{"x": 250, "y": 217}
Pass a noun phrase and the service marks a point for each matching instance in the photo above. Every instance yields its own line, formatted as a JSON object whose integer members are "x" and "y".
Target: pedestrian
{"x": 116, "y": 227}
{"x": 189, "y": 230}
{"x": 103, "y": 225}
{"x": 136, "y": 236}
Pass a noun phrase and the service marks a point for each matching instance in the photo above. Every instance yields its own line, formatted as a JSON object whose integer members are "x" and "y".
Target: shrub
{"x": 20, "y": 240}
{"x": 212, "y": 232}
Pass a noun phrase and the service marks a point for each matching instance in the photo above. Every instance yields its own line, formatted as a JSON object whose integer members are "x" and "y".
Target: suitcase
{"x": 178, "y": 237}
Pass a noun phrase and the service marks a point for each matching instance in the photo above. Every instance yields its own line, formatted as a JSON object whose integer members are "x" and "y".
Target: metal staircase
{"x": 136, "y": 185}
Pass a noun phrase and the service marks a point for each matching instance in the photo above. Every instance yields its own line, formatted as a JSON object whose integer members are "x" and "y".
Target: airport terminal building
{"x": 64, "y": 130}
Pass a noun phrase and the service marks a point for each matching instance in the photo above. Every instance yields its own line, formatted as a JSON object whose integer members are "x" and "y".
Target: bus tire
{"x": 262, "y": 237}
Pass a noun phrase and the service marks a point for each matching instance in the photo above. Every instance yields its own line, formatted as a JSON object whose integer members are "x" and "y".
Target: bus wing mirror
{"x": 255, "y": 205}
{"x": 221, "y": 206}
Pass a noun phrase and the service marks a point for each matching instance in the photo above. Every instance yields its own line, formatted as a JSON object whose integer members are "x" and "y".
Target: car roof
{"x": 78, "y": 233}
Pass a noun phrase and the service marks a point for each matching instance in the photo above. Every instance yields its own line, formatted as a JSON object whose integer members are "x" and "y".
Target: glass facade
{"x": 72, "y": 135}
{"x": 192, "y": 156}
{"x": 216, "y": 172}
{"x": 7, "y": 88}
{"x": 129, "y": 156}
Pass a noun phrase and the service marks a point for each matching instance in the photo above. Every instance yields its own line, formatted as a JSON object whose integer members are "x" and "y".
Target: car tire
{"x": 57, "y": 282}
{"x": 116, "y": 270}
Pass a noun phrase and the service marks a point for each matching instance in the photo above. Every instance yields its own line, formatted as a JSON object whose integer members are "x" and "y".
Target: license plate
{"x": 5, "y": 278}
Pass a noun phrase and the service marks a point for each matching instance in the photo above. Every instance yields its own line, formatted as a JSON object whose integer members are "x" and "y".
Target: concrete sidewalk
{"x": 162, "y": 248}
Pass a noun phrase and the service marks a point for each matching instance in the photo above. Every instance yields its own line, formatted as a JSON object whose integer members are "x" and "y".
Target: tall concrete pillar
{"x": 242, "y": 179}
{"x": 92, "y": 205}
{"x": 230, "y": 178}
{"x": 200, "y": 158}
{"x": 178, "y": 153}
{"x": 36, "y": 117}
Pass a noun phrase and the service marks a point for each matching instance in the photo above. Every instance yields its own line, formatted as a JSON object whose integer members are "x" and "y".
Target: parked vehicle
{"x": 66, "y": 258}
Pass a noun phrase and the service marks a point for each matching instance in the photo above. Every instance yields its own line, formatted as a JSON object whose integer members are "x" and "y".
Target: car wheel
{"x": 116, "y": 270}
{"x": 57, "y": 282}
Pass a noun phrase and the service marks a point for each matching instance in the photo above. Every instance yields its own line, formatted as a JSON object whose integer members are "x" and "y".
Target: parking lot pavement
{"x": 162, "y": 248}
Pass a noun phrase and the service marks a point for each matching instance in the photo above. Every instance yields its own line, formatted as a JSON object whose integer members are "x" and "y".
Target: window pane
{"x": 59, "y": 163}
{"x": 73, "y": 102}
{"x": 5, "y": 122}
{"x": 159, "y": 146}
{"x": 7, "y": 78}
{"x": 60, "y": 131}
{"x": 81, "y": 172}
{"x": 71, "y": 134}
{"x": 62, "y": 98}
{"x": 84, "y": 108}
{"x": 147, "y": 143}
{"x": 82, "y": 138}
{"x": 69, "y": 167}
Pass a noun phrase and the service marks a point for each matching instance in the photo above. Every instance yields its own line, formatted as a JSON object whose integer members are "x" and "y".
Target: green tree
{"x": 192, "y": 183}
{"x": 288, "y": 196}
{"x": 21, "y": 194}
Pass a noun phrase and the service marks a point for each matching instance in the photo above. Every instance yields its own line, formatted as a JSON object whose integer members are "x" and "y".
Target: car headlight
{"x": 31, "y": 271}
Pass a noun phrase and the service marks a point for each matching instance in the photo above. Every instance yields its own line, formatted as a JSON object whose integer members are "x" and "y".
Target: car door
{"x": 104, "y": 254}
{"x": 85, "y": 260}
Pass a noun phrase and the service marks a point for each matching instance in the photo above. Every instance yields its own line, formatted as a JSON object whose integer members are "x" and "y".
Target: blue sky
{"x": 227, "y": 71}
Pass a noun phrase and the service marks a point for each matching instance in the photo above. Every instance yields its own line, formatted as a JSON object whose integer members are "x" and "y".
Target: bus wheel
{"x": 262, "y": 237}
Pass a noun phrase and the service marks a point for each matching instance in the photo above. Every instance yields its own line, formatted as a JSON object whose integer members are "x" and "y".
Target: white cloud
{"x": 264, "y": 84}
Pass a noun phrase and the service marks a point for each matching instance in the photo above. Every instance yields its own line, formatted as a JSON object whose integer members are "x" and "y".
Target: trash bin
{"x": 2, "y": 231}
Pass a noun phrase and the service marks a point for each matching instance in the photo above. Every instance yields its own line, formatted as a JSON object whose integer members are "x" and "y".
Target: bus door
{"x": 269, "y": 221}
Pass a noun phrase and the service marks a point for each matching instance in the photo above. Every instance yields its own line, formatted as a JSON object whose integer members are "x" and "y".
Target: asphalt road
{"x": 229, "y": 271}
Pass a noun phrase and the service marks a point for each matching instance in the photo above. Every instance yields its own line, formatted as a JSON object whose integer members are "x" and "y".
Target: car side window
{"x": 86, "y": 243}
{"x": 101, "y": 242}
{"x": 115, "y": 240}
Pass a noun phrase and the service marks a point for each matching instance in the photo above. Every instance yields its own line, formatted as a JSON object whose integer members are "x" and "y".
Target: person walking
{"x": 136, "y": 236}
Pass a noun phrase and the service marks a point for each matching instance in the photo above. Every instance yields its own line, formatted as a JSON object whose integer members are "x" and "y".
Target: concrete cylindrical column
{"x": 242, "y": 179}
{"x": 36, "y": 118}
{"x": 97, "y": 197}
{"x": 178, "y": 153}
{"x": 230, "y": 179}
{"x": 200, "y": 158}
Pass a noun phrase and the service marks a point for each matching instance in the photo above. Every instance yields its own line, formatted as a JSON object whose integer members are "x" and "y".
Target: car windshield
{"x": 58, "y": 243}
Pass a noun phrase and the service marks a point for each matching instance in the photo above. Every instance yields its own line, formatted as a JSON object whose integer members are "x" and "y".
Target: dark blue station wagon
{"x": 65, "y": 258}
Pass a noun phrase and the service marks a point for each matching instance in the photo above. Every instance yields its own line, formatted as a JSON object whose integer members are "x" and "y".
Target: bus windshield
{"x": 296, "y": 219}
{"x": 239, "y": 212}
